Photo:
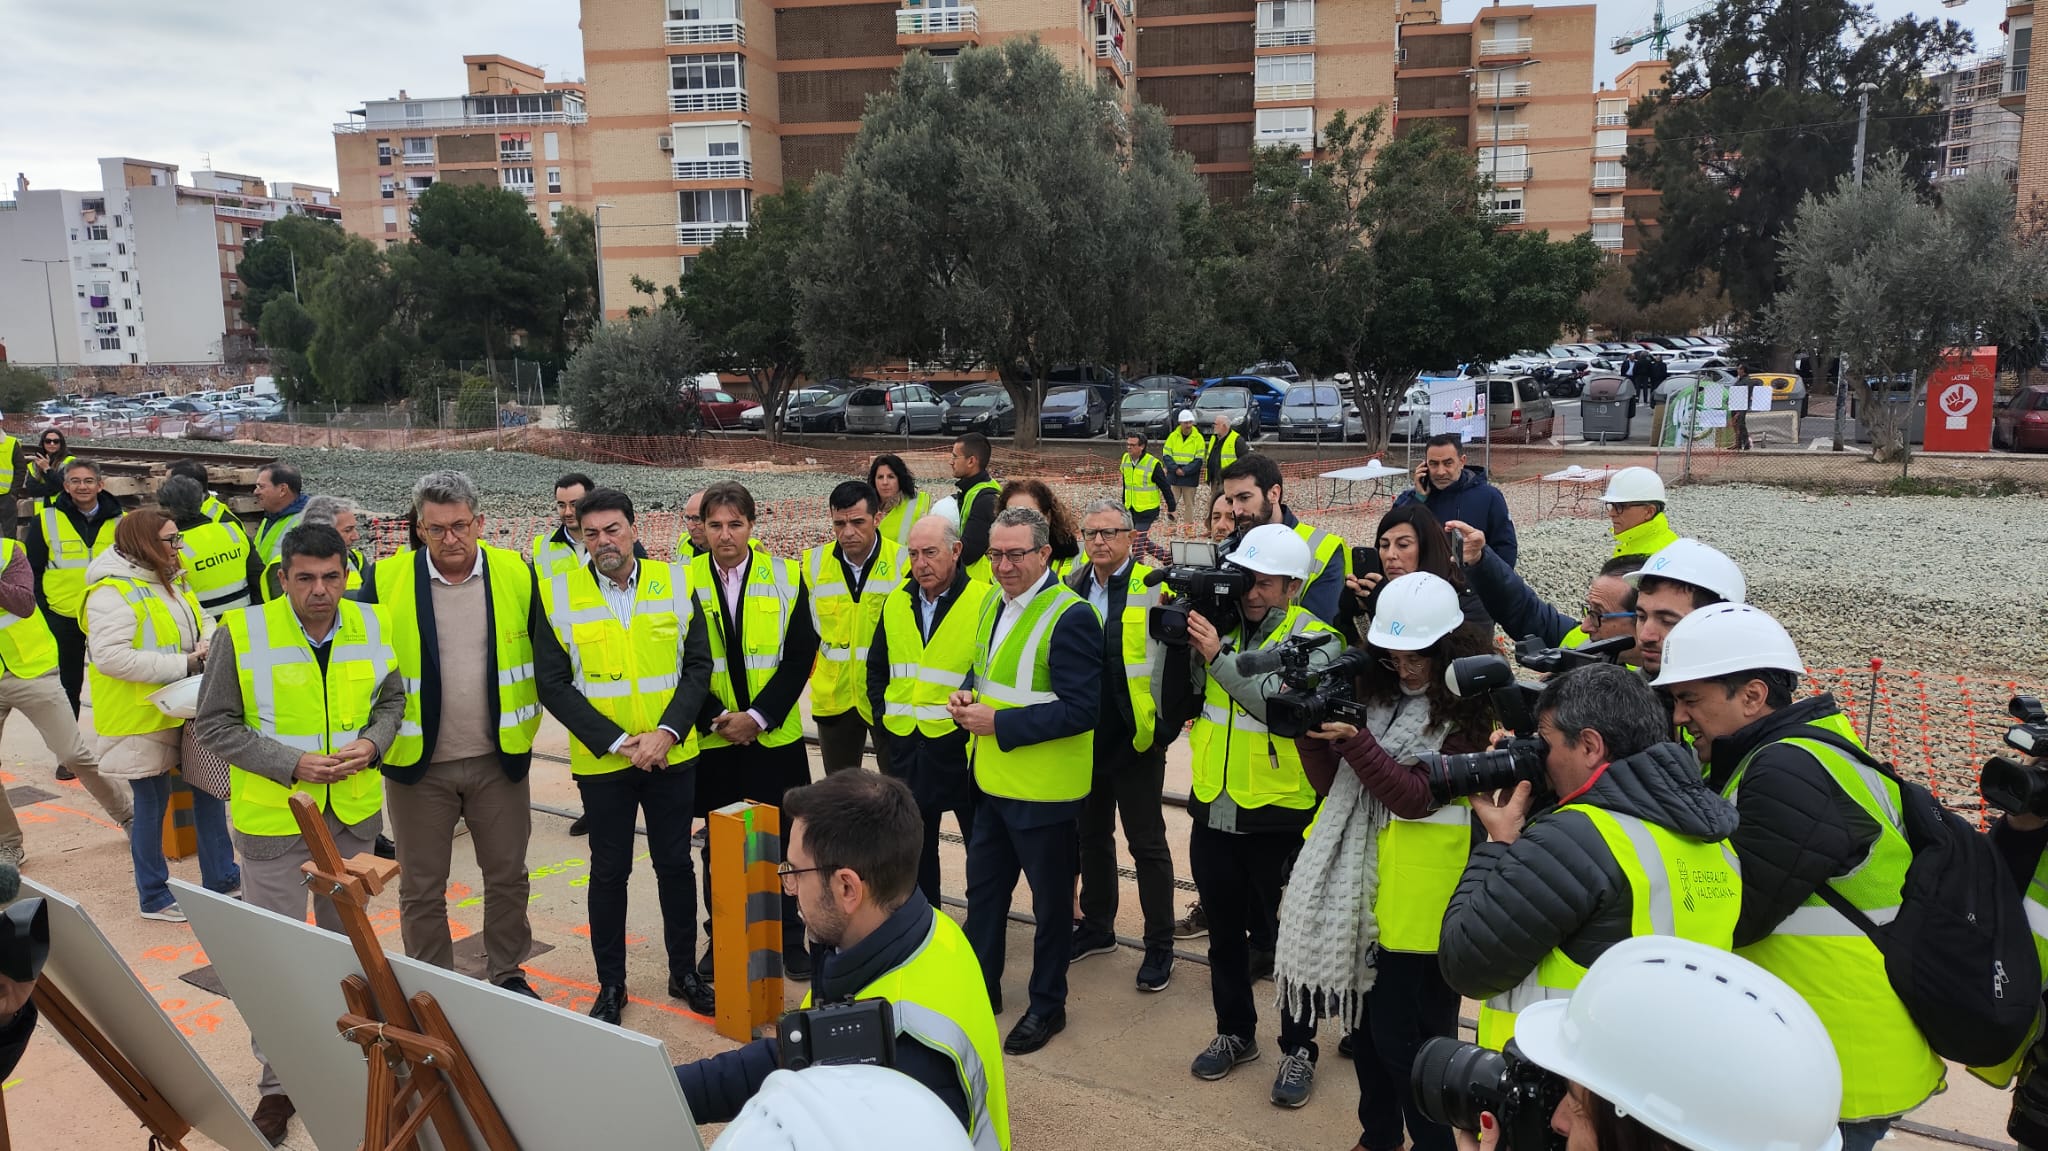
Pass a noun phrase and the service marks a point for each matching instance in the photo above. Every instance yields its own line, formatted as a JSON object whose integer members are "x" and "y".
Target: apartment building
{"x": 1625, "y": 203}
{"x": 2030, "y": 102}
{"x": 1978, "y": 134}
{"x": 511, "y": 129}
{"x": 73, "y": 266}
{"x": 1516, "y": 86}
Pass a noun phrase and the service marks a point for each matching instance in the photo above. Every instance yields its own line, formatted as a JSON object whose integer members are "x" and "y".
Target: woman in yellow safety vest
{"x": 1380, "y": 833}
{"x": 902, "y": 504}
{"x": 144, "y": 629}
{"x": 45, "y": 466}
{"x": 1066, "y": 542}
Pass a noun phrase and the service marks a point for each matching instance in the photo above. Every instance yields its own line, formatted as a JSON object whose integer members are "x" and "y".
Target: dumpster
{"x": 1605, "y": 408}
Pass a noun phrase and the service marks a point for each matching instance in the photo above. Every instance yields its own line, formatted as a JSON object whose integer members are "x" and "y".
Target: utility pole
{"x": 1493, "y": 164}
{"x": 1863, "y": 92}
{"x": 597, "y": 238}
{"x": 50, "y": 299}
{"x": 295, "y": 273}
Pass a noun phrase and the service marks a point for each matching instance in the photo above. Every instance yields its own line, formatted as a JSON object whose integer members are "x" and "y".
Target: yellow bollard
{"x": 746, "y": 916}
{"x": 181, "y": 835}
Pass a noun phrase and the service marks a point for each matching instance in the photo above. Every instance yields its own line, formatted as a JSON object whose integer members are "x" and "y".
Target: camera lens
{"x": 1453, "y": 1082}
{"x": 1496, "y": 769}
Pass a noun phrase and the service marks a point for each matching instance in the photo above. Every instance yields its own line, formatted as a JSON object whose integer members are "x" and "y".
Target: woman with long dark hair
{"x": 1060, "y": 524}
{"x": 45, "y": 465}
{"x": 1409, "y": 539}
{"x": 902, "y": 504}
{"x": 1359, "y": 920}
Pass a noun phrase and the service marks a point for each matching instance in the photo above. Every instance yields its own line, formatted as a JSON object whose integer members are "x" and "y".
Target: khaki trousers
{"x": 43, "y": 701}
{"x": 423, "y": 817}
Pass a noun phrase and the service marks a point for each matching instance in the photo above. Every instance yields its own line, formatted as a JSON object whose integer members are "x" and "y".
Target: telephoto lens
{"x": 1481, "y": 772}
{"x": 1454, "y": 1082}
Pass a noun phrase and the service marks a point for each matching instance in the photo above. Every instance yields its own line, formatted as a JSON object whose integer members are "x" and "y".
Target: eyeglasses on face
{"x": 1093, "y": 534}
{"x": 439, "y": 532}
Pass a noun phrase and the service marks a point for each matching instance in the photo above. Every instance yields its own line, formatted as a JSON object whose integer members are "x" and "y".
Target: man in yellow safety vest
{"x": 1257, "y": 495}
{"x": 847, "y": 582}
{"x": 72, "y": 529}
{"x": 1184, "y": 453}
{"x": 281, "y": 492}
{"x": 976, "y": 496}
{"x": 1031, "y": 712}
{"x": 301, "y": 694}
{"x": 1145, "y": 484}
{"x": 563, "y": 547}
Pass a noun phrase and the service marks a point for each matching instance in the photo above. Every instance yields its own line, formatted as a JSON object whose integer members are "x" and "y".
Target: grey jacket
{"x": 221, "y": 728}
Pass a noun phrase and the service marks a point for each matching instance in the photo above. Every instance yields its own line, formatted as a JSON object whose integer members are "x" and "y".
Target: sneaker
{"x": 1223, "y": 1053}
{"x": 1157, "y": 970}
{"x": 1088, "y": 941}
{"x": 13, "y": 853}
{"x": 65, "y": 774}
{"x": 1296, "y": 1079}
{"x": 1193, "y": 925}
{"x": 1262, "y": 965}
{"x": 169, "y": 913}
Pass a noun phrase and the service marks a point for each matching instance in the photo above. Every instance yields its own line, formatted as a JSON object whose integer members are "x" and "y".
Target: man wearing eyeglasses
{"x": 692, "y": 543}
{"x": 1635, "y": 512}
{"x": 1031, "y": 711}
{"x": 1130, "y": 749}
{"x": 1145, "y": 483}
{"x": 1609, "y": 609}
{"x": 462, "y": 616}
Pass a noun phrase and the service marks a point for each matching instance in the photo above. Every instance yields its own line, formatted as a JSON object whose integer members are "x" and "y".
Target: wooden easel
{"x": 167, "y": 1128}
{"x": 417, "y": 1065}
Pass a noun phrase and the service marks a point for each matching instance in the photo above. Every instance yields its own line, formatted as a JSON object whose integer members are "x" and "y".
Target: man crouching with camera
{"x": 896, "y": 983}
{"x": 1634, "y": 845}
{"x": 1250, "y": 801}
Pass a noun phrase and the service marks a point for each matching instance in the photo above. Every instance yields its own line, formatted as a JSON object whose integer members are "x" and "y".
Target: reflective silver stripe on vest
{"x": 836, "y": 588}
{"x": 1825, "y": 920}
{"x": 1243, "y": 720}
{"x": 260, "y": 661}
{"x": 1525, "y": 994}
{"x": 518, "y": 716}
{"x": 844, "y": 654}
{"x": 1015, "y": 697}
{"x": 935, "y": 1030}
{"x": 508, "y": 677}
{"x": 53, "y": 535}
{"x": 2037, "y": 917}
{"x": 1018, "y": 696}
{"x": 765, "y": 662}
{"x": 935, "y": 676}
{"x": 916, "y": 711}
{"x": 1663, "y": 918}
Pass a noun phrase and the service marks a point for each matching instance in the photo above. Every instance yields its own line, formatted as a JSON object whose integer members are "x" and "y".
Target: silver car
{"x": 894, "y": 409}
{"x": 1319, "y": 411}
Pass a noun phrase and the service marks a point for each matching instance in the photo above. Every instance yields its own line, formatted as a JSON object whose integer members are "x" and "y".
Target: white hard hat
{"x": 1414, "y": 611}
{"x": 1187, "y": 415}
{"x": 949, "y": 507}
{"x": 179, "y": 700}
{"x": 1722, "y": 638}
{"x": 1690, "y": 561}
{"x": 1273, "y": 549}
{"x": 1697, "y": 1044}
{"x": 1635, "y": 486}
{"x": 843, "y": 1108}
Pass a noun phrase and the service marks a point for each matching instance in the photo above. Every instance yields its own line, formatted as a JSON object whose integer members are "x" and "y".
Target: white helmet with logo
{"x": 1692, "y": 562}
{"x": 1723, "y": 638}
{"x": 1187, "y": 415}
{"x": 1273, "y": 549}
{"x": 1634, "y": 486}
{"x": 1414, "y": 611}
{"x": 1701, "y": 1046}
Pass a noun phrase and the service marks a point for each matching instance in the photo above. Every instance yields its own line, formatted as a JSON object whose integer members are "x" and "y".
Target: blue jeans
{"x": 1864, "y": 1134}
{"x": 146, "y": 842}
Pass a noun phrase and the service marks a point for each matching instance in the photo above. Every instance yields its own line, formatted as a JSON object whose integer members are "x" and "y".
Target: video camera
{"x": 1310, "y": 696}
{"x": 1453, "y": 1082}
{"x": 1200, "y": 582}
{"x": 858, "y": 1031}
{"x": 1522, "y": 756}
{"x": 2020, "y": 787}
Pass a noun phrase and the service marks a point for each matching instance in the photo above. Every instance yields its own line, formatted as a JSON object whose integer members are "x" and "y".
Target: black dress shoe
{"x": 519, "y": 985}
{"x": 693, "y": 991}
{"x": 580, "y": 825}
{"x": 385, "y": 848}
{"x": 611, "y": 1003}
{"x": 1034, "y": 1031}
{"x": 796, "y": 963}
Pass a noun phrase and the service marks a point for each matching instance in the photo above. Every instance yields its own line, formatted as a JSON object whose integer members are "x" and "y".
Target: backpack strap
{"x": 1826, "y": 890}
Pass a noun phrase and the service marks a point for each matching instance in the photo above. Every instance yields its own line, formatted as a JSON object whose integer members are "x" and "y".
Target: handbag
{"x": 202, "y": 768}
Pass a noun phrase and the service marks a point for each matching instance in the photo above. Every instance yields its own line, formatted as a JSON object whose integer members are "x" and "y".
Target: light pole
{"x": 1493, "y": 172}
{"x": 597, "y": 238}
{"x": 50, "y": 298}
{"x": 1863, "y": 92}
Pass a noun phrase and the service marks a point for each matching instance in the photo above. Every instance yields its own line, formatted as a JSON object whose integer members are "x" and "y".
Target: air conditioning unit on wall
{"x": 665, "y": 143}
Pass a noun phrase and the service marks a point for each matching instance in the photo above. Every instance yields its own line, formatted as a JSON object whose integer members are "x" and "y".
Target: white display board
{"x": 1457, "y": 405}
{"x": 85, "y": 967}
{"x": 559, "y": 1078}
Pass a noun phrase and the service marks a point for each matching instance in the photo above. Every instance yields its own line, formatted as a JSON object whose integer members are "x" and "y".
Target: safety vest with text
{"x": 27, "y": 649}
{"x": 1678, "y": 886}
{"x": 287, "y": 698}
{"x": 121, "y": 707}
{"x": 1141, "y": 493}
{"x": 511, "y": 596}
{"x": 1018, "y": 673}
{"x": 629, "y": 674}
{"x": 1232, "y": 751}
{"x": 215, "y": 556}
{"x": 767, "y": 604}
{"x": 924, "y": 674}
{"x": 846, "y": 623}
{"x": 70, "y": 554}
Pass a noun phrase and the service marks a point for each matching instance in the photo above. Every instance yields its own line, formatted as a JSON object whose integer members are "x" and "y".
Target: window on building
{"x": 1610, "y": 142}
{"x": 717, "y": 206}
{"x": 106, "y": 317}
{"x": 1285, "y": 124}
{"x": 96, "y": 232}
{"x": 515, "y": 146}
{"x": 555, "y": 212}
{"x": 1282, "y": 15}
{"x": 120, "y": 249}
{"x": 131, "y": 329}
{"x": 110, "y": 343}
{"x": 709, "y": 10}
{"x": 134, "y": 358}
{"x": 127, "y": 304}
{"x": 551, "y": 145}
{"x": 94, "y": 204}
{"x": 1506, "y": 164}
{"x": 724, "y": 71}
{"x": 415, "y": 111}
{"x": 1508, "y": 203}
{"x": 1609, "y": 174}
{"x": 417, "y": 185}
{"x": 1607, "y": 235}
{"x": 419, "y": 148}
{"x": 555, "y": 180}
{"x": 387, "y": 187}
{"x": 74, "y": 235}
{"x": 689, "y": 262}
{"x": 384, "y": 153}
{"x": 1297, "y": 68}
{"x": 517, "y": 178}
{"x": 124, "y": 279}
{"x": 391, "y": 219}
{"x": 117, "y": 221}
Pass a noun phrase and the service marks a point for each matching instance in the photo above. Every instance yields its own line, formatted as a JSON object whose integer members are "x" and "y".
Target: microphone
{"x": 1155, "y": 577}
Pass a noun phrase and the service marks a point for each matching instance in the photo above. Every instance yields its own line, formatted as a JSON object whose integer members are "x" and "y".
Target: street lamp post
{"x": 1863, "y": 92}
{"x": 597, "y": 237}
{"x": 1493, "y": 168}
{"x": 50, "y": 299}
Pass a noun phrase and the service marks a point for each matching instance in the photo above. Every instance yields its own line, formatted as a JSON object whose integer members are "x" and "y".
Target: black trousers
{"x": 70, "y": 655}
{"x": 611, "y": 802}
{"x": 1408, "y": 1004}
{"x": 763, "y": 774}
{"x": 1239, "y": 878}
{"x": 842, "y": 738}
{"x": 938, "y": 787}
{"x": 1001, "y": 848}
{"x": 1127, "y": 785}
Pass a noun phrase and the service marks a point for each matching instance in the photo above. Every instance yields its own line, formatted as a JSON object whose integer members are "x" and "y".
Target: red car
{"x": 2022, "y": 424}
{"x": 715, "y": 408}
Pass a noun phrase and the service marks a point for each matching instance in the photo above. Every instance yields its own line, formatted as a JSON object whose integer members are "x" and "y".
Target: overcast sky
{"x": 257, "y": 86}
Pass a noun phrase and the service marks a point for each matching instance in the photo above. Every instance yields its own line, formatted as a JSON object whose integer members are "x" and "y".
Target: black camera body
{"x": 1453, "y": 1082}
{"x": 1200, "y": 582}
{"x": 2020, "y": 787}
{"x": 859, "y": 1031}
{"x": 1548, "y": 660}
{"x": 1309, "y": 696}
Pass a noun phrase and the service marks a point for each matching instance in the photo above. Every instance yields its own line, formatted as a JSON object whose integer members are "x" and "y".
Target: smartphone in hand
{"x": 1364, "y": 559}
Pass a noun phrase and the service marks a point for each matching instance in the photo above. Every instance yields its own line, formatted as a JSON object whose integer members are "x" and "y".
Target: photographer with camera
{"x": 1610, "y": 608}
{"x": 1250, "y": 799}
{"x": 2020, "y": 790}
{"x": 852, "y": 842}
{"x": 1256, "y": 491}
{"x": 1359, "y": 920}
{"x": 1666, "y": 1045}
{"x": 1814, "y": 815}
{"x": 1635, "y": 844}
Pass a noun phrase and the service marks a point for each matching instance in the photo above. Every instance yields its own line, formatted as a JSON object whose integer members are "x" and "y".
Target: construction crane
{"x": 1658, "y": 34}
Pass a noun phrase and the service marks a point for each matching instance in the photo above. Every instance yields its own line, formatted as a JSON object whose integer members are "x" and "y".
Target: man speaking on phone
{"x": 1455, "y": 490}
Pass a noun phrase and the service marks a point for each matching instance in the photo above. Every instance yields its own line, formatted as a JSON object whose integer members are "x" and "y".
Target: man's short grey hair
{"x": 1025, "y": 518}
{"x": 949, "y": 531}
{"x": 1609, "y": 699}
{"x": 326, "y": 509}
{"x": 181, "y": 498}
{"x": 76, "y": 464}
{"x": 1097, "y": 507}
{"x": 446, "y": 487}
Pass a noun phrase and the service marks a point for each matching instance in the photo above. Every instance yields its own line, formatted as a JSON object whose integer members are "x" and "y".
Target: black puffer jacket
{"x": 1798, "y": 828}
{"x": 1558, "y": 886}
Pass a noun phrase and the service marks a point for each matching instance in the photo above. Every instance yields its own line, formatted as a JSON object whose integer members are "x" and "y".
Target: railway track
{"x": 132, "y": 474}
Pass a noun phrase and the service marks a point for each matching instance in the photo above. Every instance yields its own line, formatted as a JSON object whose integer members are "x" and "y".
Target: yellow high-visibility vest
{"x": 1018, "y": 674}
{"x": 846, "y": 624}
{"x": 121, "y": 707}
{"x": 924, "y": 674}
{"x": 215, "y": 556}
{"x": 70, "y": 554}
{"x": 1141, "y": 493}
{"x": 1231, "y": 750}
{"x": 767, "y": 604}
{"x": 628, "y": 674}
{"x": 511, "y": 595}
{"x": 27, "y": 649}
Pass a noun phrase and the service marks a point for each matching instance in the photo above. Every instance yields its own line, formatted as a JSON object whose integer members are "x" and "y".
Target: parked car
{"x": 1182, "y": 388}
{"x": 1411, "y": 418}
{"x": 754, "y": 419}
{"x": 1073, "y": 411}
{"x": 1517, "y": 409}
{"x": 1265, "y": 391}
{"x": 220, "y": 424}
{"x": 1788, "y": 390}
{"x": 1153, "y": 412}
{"x": 1233, "y": 403}
{"x": 1567, "y": 377}
{"x": 992, "y": 413}
{"x": 2022, "y": 422}
{"x": 1278, "y": 369}
{"x": 896, "y": 409}
{"x": 824, "y": 413}
{"x": 716, "y": 408}
{"x": 960, "y": 395}
{"x": 1319, "y": 411}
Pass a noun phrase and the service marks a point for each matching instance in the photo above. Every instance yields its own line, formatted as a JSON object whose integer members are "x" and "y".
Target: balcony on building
{"x": 1506, "y": 48}
{"x": 1502, "y": 92}
{"x": 399, "y": 116}
{"x": 704, "y": 22}
{"x": 705, "y": 215}
{"x": 698, "y": 235}
{"x": 707, "y": 83}
{"x": 1286, "y": 23}
{"x": 715, "y": 151}
{"x": 1110, "y": 54}
{"x": 1279, "y": 127}
{"x": 1290, "y": 78}
{"x": 1502, "y": 131}
{"x": 918, "y": 25}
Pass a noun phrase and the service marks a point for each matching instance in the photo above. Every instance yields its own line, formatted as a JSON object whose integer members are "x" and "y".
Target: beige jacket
{"x": 110, "y": 640}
